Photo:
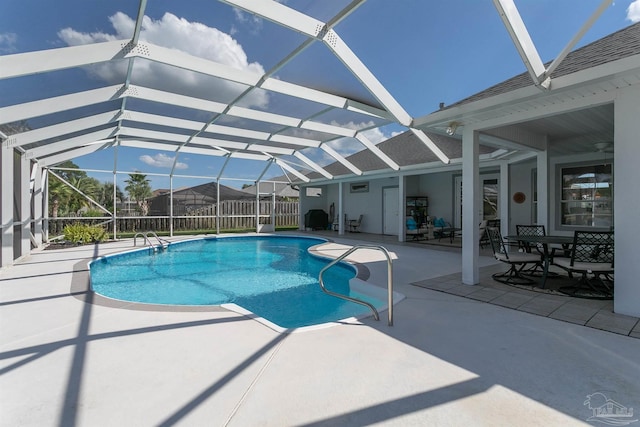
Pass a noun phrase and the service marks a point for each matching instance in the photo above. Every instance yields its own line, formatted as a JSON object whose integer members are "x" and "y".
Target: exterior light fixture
{"x": 451, "y": 129}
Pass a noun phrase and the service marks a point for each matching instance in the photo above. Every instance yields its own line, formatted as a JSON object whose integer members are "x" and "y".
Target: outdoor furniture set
{"x": 589, "y": 254}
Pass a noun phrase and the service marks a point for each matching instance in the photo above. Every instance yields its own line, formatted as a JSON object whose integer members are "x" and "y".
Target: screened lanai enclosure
{"x": 104, "y": 99}
{"x": 108, "y": 122}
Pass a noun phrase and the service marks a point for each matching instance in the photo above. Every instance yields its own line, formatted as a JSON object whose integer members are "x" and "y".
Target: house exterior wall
{"x": 307, "y": 203}
{"x": 520, "y": 181}
{"x": 626, "y": 202}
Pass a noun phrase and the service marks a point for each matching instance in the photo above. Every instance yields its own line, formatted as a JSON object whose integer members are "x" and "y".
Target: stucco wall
{"x": 520, "y": 181}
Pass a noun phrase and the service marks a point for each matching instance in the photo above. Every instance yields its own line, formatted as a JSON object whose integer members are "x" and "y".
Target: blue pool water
{"x": 272, "y": 276}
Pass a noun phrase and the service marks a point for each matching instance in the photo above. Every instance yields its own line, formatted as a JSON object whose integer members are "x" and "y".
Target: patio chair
{"x": 354, "y": 224}
{"x": 484, "y": 237}
{"x": 482, "y": 233}
{"x": 411, "y": 228}
{"x": 336, "y": 222}
{"x": 444, "y": 229}
{"x": 534, "y": 230}
{"x": 592, "y": 258}
{"x": 516, "y": 260}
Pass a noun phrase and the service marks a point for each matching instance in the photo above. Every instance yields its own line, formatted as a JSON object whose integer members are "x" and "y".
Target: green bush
{"x": 93, "y": 213}
{"x": 81, "y": 233}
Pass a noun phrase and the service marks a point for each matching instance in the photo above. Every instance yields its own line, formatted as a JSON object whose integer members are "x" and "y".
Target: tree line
{"x": 65, "y": 201}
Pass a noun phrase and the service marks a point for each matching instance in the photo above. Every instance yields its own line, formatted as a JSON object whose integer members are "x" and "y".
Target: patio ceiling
{"x": 302, "y": 118}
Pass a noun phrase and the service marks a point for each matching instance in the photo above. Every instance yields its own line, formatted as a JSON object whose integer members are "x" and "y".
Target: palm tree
{"x": 88, "y": 186}
{"x": 139, "y": 190}
{"x": 59, "y": 194}
{"x": 105, "y": 195}
{"x": 62, "y": 199}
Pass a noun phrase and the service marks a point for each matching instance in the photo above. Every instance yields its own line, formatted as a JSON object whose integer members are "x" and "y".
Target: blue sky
{"x": 424, "y": 52}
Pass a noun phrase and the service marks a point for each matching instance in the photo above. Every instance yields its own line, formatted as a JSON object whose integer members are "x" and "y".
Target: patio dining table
{"x": 545, "y": 241}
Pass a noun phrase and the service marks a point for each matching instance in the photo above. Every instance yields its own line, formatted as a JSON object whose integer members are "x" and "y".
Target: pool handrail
{"x": 358, "y": 301}
{"x": 161, "y": 242}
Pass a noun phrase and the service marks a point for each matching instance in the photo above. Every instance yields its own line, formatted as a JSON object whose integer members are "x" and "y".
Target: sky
{"x": 423, "y": 52}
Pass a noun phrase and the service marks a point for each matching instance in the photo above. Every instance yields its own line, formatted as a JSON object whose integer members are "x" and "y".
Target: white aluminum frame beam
{"x": 77, "y": 190}
{"x": 346, "y": 163}
{"x": 431, "y": 145}
{"x": 563, "y": 54}
{"x": 24, "y": 64}
{"x": 280, "y": 14}
{"x": 375, "y": 150}
{"x": 291, "y": 170}
{"x": 82, "y": 99}
{"x": 522, "y": 40}
{"x": 366, "y": 77}
{"x": 313, "y": 165}
{"x": 65, "y": 128}
{"x": 56, "y": 104}
{"x": 78, "y": 141}
{"x": 55, "y": 59}
{"x": 68, "y": 155}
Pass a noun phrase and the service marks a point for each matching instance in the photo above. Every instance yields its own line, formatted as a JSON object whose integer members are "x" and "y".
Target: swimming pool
{"x": 273, "y": 277}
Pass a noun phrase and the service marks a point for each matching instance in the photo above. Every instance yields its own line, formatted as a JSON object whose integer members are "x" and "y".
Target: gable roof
{"x": 209, "y": 191}
{"x": 406, "y": 149}
{"x": 619, "y": 45}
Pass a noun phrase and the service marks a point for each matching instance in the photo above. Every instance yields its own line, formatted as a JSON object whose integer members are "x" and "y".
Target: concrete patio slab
{"x": 448, "y": 360}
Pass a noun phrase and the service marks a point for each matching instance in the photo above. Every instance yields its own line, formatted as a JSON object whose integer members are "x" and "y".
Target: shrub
{"x": 93, "y": 213}
{"x": 81, "y": 233}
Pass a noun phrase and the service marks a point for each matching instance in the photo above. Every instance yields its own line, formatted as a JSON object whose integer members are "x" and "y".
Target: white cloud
{"x": 8, "y": 42}
{"x": 175, "y": 33}
{"x": 161, "y": 160}
{"x": 633, "y": 11}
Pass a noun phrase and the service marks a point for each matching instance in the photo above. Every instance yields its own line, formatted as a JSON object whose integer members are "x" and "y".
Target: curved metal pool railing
{"x": 161, "y": 242}
{"x": 358, "y": 301}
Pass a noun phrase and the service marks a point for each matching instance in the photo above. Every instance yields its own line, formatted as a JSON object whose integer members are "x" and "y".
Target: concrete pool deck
{"x": 448, "y": 360}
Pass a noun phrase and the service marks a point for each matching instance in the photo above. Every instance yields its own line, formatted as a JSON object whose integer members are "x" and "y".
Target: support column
{"x": 37, "y": 203}
{"x": 45, "y": 204}
{"x": 542, "y": 188}
{"x": 114, "y": 213}
{"x": 504, "y": 199}
{"x": 626, "y": 203}
{"x": 470, "y": 206}
{"x": 6, "y": 206}
{"x": 171, "y": 205}
{"x": 25, "y": 206}
{"x": 341, "y": 224}
{"x": 402, "y": 193}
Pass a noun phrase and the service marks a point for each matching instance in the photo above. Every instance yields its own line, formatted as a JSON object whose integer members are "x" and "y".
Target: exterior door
{"x": 390, "y": 210}
{"x": 490, "y": 185}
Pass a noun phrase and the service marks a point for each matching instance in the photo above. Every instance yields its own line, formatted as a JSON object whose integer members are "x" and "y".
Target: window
{"x": 587, "y": 196}
{"x": 313, "y": 192}
{"x": 360, "y": 187}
